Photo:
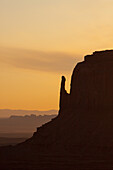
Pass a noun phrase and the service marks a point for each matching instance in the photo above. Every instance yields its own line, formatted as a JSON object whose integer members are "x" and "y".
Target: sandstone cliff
{"x": 91, "y": 83}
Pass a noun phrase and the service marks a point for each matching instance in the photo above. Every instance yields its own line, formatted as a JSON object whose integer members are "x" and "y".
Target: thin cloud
{"x": 38, "y": 60}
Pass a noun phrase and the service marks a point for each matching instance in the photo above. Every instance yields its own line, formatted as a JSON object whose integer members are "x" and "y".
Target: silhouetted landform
{"x": 4, "y": 141}
{"x": 15, "y": 135}
{"x": 4, "y": 113}
{"x": 81, "y": 136}
{"x": 23, "y": 124}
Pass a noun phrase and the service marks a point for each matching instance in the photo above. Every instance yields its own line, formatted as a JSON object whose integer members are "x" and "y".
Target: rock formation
{"x": 84, "y": 126}
{"x": 91, "y": 83}
{"x": 86, "y": 113}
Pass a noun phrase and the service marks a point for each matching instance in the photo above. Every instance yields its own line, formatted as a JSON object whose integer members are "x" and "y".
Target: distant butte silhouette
{"x": 81, "y": 136}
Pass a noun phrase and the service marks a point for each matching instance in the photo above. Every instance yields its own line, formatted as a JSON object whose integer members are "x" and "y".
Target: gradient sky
{"x": 40, "y": 40}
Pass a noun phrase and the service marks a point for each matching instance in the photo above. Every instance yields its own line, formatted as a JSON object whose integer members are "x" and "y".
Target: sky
{"x": 41, "y": 40}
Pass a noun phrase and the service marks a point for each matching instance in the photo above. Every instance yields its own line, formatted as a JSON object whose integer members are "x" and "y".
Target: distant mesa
{"x": 84, "y": 125}
{"x": 4, "y": 113}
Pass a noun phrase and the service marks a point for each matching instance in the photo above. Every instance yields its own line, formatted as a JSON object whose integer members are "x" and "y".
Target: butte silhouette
{"x": 81, "y": 136}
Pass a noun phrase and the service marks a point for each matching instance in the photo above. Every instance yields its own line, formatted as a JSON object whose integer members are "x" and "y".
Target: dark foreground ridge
{"x": 81, "y": 136}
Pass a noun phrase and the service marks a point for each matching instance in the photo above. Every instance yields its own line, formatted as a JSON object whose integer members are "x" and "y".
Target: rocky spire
{"x": 64, "y": 96}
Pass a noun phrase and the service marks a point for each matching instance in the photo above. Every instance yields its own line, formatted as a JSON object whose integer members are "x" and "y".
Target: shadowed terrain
{"x": 23, "y": 124}
{"x": 81, "y": 136}
{"x": 16, "y": 129}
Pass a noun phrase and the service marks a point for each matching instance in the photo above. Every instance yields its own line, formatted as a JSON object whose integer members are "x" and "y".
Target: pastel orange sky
{"x": 40, "y": 40}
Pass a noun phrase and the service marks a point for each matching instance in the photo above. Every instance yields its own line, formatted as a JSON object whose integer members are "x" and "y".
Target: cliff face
{"x": 86, "y": 113}
{"x": 92, "y": 83}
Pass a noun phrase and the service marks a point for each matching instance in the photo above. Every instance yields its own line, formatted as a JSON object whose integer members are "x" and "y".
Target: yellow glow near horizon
{"x": 42, "y": 40}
